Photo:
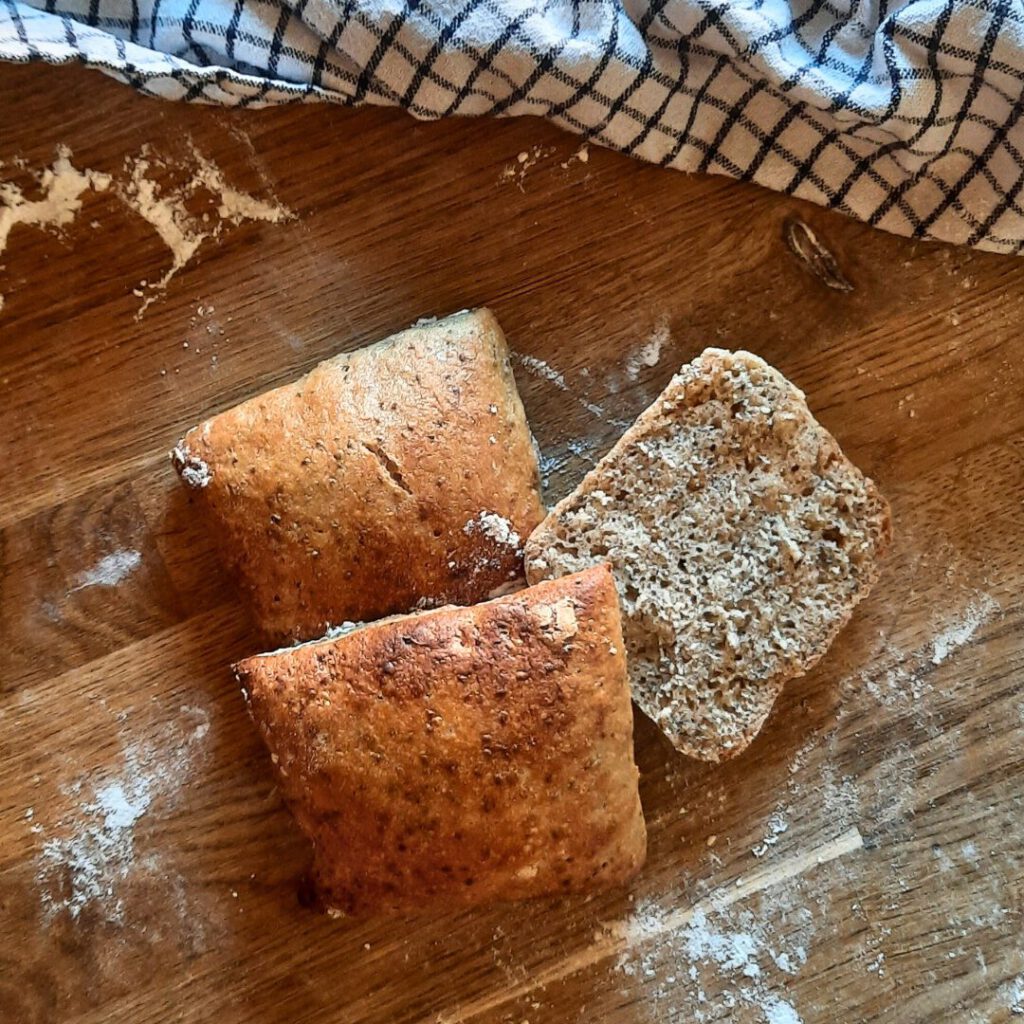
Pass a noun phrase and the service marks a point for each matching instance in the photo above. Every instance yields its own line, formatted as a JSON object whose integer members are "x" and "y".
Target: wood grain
{"x": 861, "y": 862}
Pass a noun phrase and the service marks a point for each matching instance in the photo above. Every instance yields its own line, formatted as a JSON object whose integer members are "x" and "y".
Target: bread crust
{"x": 766, "y": 512}
{"x": 461, "y": 755}
{"x": 403, "y": 472}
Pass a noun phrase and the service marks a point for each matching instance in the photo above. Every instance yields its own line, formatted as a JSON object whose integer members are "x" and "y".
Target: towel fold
{"x": 903, "y": 115}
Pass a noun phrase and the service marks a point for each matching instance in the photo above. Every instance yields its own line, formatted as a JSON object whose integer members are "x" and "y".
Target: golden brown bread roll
{"x": 460, "y": 755}
{"x": 397, "y": 476}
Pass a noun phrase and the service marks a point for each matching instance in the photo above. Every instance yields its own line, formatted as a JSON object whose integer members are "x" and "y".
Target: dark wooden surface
{"x": 861, "y": 862}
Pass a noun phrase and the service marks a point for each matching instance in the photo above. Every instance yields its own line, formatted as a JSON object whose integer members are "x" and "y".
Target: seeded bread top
{"x": 397, "y": 476}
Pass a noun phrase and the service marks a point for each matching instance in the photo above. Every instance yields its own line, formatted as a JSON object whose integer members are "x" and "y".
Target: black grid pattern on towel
{"x": 906, "y": 115}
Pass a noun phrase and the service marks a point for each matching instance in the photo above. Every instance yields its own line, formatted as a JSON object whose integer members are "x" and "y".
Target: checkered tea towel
{"x": 906, "y": 115}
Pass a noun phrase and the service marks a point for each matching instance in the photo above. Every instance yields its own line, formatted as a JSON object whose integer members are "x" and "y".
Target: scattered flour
{"x": 739, "y": 945}
{"x": 777, "y": 826}
{"x": 894, "y": 685}
{"x": 194, "y": 471}
{"x": 960, "y": 633}
{"x": 942, "y": 858}
{"x": 544, "y": 370}
{"x": 969, "y": 851}
{"x": 165, "y": 210}
{"x": 786, "y": 963}
{"x": 86, "y": 866}
{"x": 778, "y": 1011}
{"x": 799, "y": 759}
{"x": 737, "y": 956}
{"x": 1011, "y": 993}
{"x": 582, "y": 155}
{"x": 235, "y": 206}
{"x": 101, "y": 851}
{"x": 63, "y": 186}
{"x": 496, "y": 527}
{"x": 572, "y": 458}
{"x": 840, "y": 797}
{"x": 649, "y": 353}
{"x": 166, "y": 215}
{"x": 541, "y": 369}
{"x": 897, "y": 678}
{"x": 583, "y": 448}
{"x": 516, "y": 172}
{"x": 733, "y": 938}
{"x": 732, "y": 951}
{"x": 109, "y": 571}
{"x": 877, "y": 966}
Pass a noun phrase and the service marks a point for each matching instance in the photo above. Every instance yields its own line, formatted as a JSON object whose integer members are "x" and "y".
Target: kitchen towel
{"x": 904, "y": 115}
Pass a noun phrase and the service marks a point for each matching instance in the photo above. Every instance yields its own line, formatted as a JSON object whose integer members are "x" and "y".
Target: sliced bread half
{"x": 740, "y": 536}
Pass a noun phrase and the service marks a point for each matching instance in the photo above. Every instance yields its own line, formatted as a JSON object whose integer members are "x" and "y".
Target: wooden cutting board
{"x": 863, "y": 861}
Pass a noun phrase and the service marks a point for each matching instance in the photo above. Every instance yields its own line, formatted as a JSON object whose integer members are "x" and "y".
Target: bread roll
{"x": 461, "y": 755}
{"x": 741, "y": 539}
{"x": 398, "y": 475}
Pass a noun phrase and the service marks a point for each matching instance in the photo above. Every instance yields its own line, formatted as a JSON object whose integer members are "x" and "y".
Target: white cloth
{"x": 905, "y": 115}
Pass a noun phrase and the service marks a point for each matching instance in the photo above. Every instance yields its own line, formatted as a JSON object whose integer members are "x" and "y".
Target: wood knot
{"x": 814, "y": 257}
